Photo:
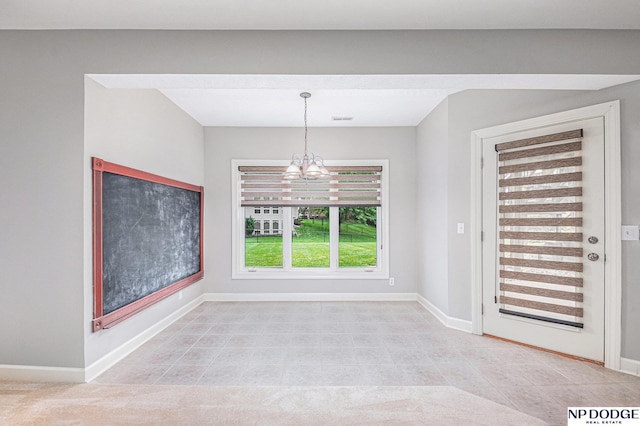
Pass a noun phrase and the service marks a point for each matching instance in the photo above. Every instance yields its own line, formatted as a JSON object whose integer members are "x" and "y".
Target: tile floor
{"x": 364, "y": 344}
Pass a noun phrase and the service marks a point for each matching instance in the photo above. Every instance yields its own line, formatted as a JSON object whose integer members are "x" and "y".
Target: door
{"x": 543, "y": 237}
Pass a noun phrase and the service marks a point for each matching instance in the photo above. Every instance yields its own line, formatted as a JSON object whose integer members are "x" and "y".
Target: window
{"x": 256, "y": 210}
{"x": 358, "y": 237}
{"x": 310, "y": 246}
{"x": 325, "y": 228}
{"x": 261, "y": 249}
{"x": 266, "y": 210}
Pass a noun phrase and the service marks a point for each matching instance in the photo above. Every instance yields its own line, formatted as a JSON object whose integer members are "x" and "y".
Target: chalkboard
{"x": 149, "y": 242}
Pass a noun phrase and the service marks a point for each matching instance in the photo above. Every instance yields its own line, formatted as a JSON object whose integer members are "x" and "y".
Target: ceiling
{"x": 369, "y": 100}
{"x": 319, "y": 14}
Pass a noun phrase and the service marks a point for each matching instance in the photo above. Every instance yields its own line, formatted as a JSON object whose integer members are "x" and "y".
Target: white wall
{"x": 222, "y": 144}
{"x": 144, "y": 130}
{"x": 432, "y": 153}
{"x": 43, "y": 164}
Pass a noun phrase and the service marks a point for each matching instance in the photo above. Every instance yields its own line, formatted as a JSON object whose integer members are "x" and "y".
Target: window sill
{"x": 310, "y": 274}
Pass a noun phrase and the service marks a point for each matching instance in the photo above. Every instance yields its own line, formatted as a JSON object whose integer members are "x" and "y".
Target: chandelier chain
{"x": 305, "y": 126}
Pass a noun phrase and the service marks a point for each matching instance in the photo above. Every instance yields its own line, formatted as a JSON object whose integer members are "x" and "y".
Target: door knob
{"x": 593, "y": 257}
{"x": 593, "y": 240}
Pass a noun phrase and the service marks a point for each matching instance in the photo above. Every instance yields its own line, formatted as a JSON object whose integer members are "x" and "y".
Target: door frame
{"x": 610, "y": 112}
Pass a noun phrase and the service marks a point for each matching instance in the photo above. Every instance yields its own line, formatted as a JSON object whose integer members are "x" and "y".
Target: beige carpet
{"x": 89, "y": 404}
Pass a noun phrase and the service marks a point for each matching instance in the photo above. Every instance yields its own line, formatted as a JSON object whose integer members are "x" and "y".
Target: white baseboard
{"x": 630, "y": 366}
{"x": 455, "y": 323}
{"x": 33, "y": 373}
{"x": 79, "y": 375}
{"x": 113, "y": 357}
{"x": 450, "y": 322}
{"x": 309, "y": 297}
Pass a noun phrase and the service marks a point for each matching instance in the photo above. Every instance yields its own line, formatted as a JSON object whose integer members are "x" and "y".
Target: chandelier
{"x": 309, "y": 166}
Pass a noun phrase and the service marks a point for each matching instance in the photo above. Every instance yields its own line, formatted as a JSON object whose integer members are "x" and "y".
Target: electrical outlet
{"x": 392, "y": 281}
{"x": 460, "y": 228}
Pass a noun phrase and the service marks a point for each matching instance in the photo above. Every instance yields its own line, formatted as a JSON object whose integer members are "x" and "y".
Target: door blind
{"x": 540, "y": 228}
{"x": 345, "y": 186}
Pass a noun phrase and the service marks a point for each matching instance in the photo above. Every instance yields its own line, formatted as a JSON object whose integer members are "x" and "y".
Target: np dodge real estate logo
{"x": 627, "y": 416}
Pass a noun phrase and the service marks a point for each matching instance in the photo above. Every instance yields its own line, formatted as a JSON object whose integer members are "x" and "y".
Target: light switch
{"x": 461, "y": 228}
{"x": 630, "y": 232}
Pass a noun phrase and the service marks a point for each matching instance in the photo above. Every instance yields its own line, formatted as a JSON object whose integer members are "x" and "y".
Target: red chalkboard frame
{"x": 101, "y": 321}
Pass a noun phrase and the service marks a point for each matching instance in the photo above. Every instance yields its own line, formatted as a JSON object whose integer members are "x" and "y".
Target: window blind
{"x": 540, "y": 228}
{"x": 345, "y": 186}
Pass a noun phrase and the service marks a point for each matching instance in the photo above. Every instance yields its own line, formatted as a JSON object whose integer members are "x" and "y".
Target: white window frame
{"x": 239, "y": 271}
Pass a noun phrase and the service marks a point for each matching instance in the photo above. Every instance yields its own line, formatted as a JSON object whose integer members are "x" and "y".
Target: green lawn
{"x": 312, "y": 231}
{"x": 305, "y": 254}
{"x": 310, "y": 248}
{"x": 263, "y": 251}
{"x": 357, "y": 254}
{"x": 358, "y": 228}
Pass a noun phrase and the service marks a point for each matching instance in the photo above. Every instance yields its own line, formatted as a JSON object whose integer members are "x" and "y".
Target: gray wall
{"x": 432, "y": 154}
{"x": 144, "y": 130}
{"x": 222, "y": 144}
{"x": 477, "y": 109}
{"x": 43, "y": 167}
